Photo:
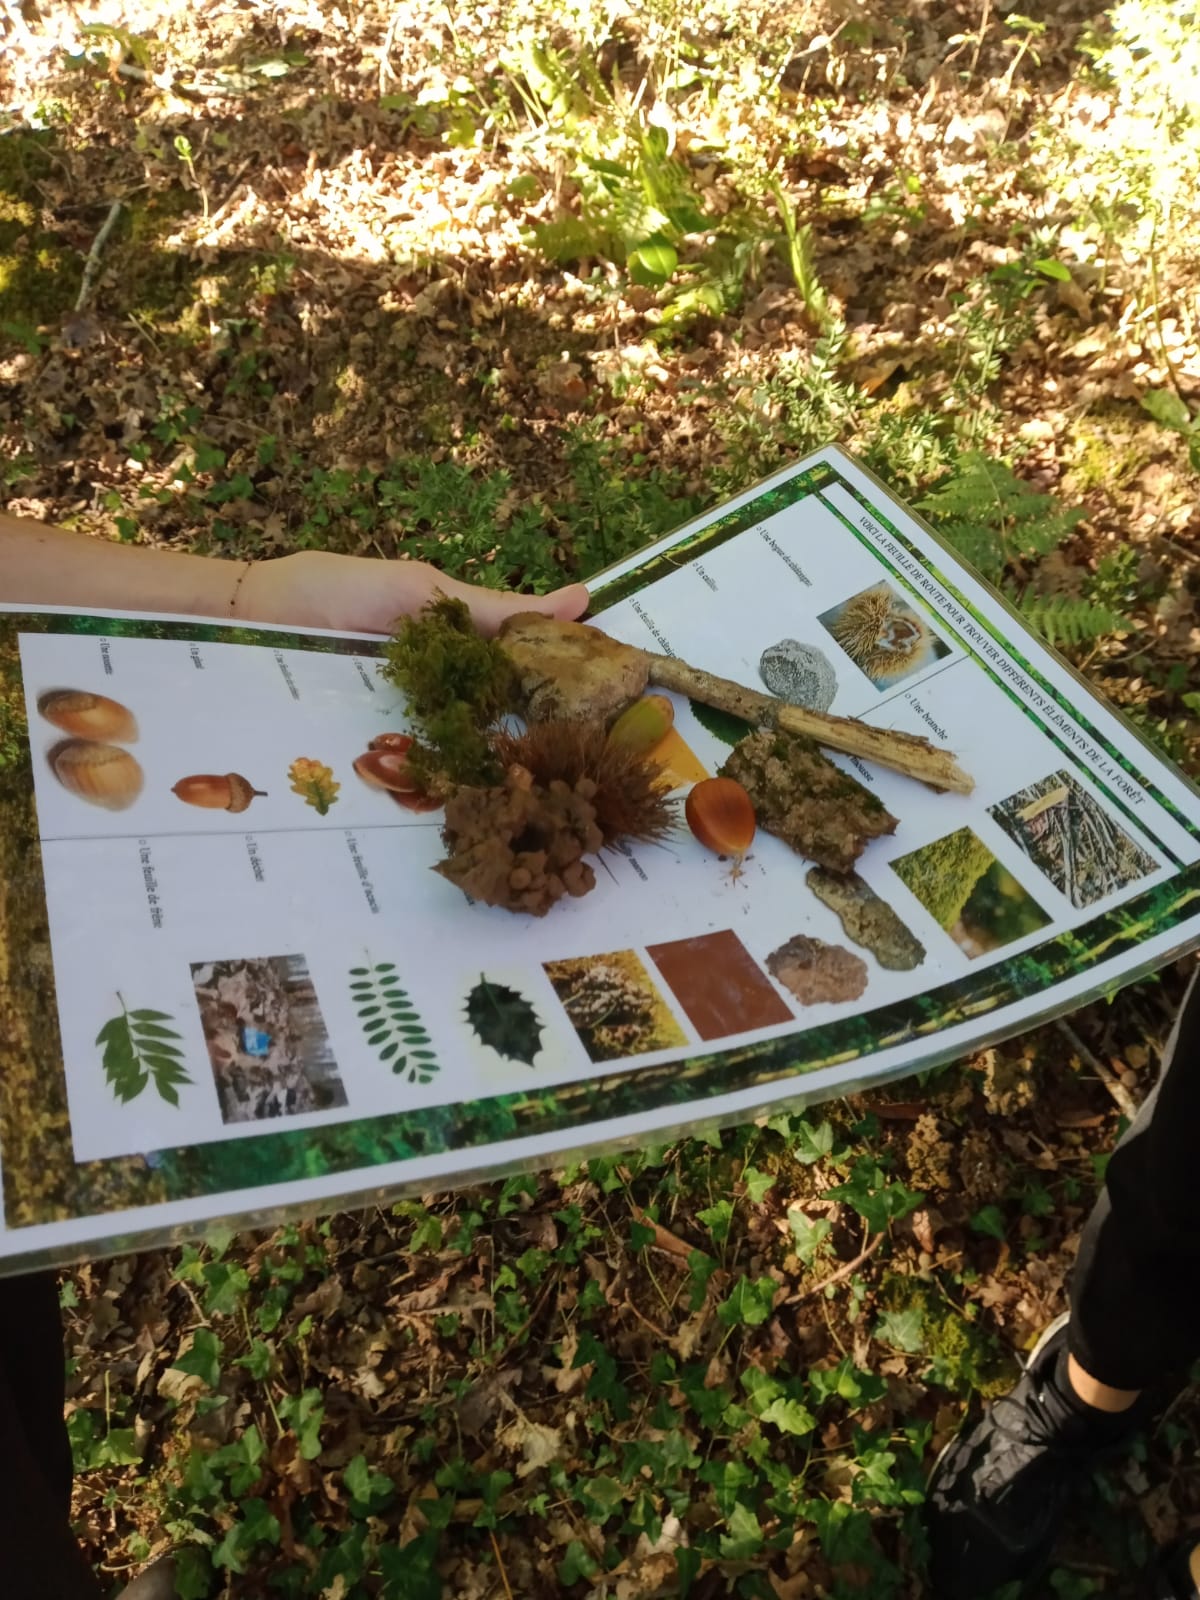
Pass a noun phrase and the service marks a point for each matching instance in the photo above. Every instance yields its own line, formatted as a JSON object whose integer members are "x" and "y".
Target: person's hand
{"x": 358, "y": 594}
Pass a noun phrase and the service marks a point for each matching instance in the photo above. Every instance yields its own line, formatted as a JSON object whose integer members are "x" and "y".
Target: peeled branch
{"x": 569, "y": 669}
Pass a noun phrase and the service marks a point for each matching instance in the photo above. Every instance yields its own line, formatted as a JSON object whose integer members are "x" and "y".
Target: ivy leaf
{"x": 749, "y": 1304}
{"x": 745, "y": 1536}
{"x": 790, "y": 1416}
{"x": 304, "y": 1413}
{"x": 258, "y": 1526}
{"x": 902, "y": 1330}
{"x": 811, "y": 1144}
{"x": 203, "y": 1360}
{"x": 717, "y": 1219}
{"x": 369, "y": 1490}
{"x": 1167, "y": 409}
{"x": 876, "y": 1200}
{"x": 809, "y": 1234}
{"x": 757, "y": 1184}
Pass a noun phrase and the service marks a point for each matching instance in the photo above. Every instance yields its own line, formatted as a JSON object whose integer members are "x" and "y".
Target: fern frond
{"x": 1071, "y": 619}
{"x": 993, "y": 517}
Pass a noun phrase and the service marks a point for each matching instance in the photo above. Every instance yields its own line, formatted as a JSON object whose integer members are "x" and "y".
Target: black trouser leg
{"x": 39, "y": 1557}
{"x": 1135, "y": 1292}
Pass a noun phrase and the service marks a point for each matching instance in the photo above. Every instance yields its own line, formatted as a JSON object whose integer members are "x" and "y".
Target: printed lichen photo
{"x": 970, "y": 893}
{"x": 886, "y": 638}
{"x": 613, "y": 1006}
{"x": 267, "y": 1041}
{"x": 1072, "y": 840}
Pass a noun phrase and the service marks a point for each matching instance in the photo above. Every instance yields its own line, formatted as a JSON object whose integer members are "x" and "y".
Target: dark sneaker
{"x": 156, "y": 1582}
{"x": 1171, "y": 1572}
{"x": 999, "y": 1491}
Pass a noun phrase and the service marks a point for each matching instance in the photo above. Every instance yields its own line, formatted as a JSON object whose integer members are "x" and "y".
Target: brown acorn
{"x": 227, "y": 792}
{"x": 88, "y": 716}
{"x": 101, "y": 774}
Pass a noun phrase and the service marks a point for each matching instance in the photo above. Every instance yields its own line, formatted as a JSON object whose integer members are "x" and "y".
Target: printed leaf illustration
{"x": 314, "y": 783}
{"x": 138, "y": 1048}
{"x": 721, "y": 724}
{"x": 504, "y": 1019}
{"x": 390, "y": 1022}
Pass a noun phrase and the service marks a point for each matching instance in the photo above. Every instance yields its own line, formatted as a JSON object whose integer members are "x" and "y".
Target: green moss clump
{"x": 155, "y": 280}
{"x": 960, "y": 1354}
{"x": 39, "y": 275}
{"x": 457, "y": 686}
{"x": 943, "y": 874}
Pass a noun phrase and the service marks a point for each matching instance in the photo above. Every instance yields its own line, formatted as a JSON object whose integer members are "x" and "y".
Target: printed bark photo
{"x": 267, "y": 1041}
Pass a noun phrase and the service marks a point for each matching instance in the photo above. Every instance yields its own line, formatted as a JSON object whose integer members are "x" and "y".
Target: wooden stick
{"x": 571, "y": 669}
{"x": 908, "y": 753}
{"x": 92, "y": 265}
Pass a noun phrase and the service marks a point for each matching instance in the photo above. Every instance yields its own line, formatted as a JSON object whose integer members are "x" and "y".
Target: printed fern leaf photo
{"x": 391, "y": 1024}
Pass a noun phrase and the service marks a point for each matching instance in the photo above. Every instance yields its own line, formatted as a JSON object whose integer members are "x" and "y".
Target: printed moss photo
{"x": 613, "y": 1006}
{"x": 969, "y": 893}
{"x": 885, "y": 637}
{"x": 1072, "y": 840}
{"x": 267, "y": 1041}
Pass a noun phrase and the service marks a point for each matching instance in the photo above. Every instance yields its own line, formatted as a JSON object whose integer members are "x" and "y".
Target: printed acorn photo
{"x": 546, "y": 746}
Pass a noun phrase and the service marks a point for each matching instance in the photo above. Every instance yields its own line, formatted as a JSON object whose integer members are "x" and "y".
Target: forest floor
{"x": 426, "y": 281}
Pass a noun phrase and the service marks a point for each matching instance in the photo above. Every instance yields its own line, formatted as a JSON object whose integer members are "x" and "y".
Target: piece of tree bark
{"x": 570, "y": 669}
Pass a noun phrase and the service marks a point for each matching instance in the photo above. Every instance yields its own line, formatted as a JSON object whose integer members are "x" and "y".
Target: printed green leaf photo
{"x": 390, "y": 1022}
{"x": 505, "y": 1020}
{"x": 138, "y": 1049}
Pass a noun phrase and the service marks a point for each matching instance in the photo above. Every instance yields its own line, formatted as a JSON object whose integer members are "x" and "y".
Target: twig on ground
{"x": 500, "y": 1565}
{"x": 1121, "y": 1095}
{"x": 92, "y": 265}
{"x": 642, "y": 1317}
{"x": 842, "y": 1272}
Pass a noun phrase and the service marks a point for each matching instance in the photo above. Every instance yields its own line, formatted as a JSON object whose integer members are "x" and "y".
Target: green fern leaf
{"x": 1071, "y": 619}
{"x": 993, "y": 518}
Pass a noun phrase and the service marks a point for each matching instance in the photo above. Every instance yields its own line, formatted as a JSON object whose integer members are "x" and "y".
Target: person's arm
{"x": 43, "y": 565}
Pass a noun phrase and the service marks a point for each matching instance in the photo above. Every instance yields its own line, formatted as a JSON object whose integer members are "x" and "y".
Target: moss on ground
{"x": 39, "y": 273}
{"x": 157, "y": 282}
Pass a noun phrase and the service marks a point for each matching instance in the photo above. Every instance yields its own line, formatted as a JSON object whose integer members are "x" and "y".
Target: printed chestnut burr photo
{"x": 217, "y": 791}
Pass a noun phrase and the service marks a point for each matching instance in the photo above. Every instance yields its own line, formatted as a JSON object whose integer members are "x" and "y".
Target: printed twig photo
{"x": 1072, "y": 840}
{"x": 613, "y": 1006}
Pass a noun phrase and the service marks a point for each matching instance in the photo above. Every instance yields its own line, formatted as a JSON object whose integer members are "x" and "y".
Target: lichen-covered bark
{"x": 802, "y": 798}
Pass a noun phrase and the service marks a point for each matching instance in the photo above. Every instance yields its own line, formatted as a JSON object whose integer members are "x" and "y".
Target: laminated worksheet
{"x": 232, "y": 988}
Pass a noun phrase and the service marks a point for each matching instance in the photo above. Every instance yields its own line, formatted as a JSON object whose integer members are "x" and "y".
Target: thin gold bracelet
{"x": 237, "y": 586}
